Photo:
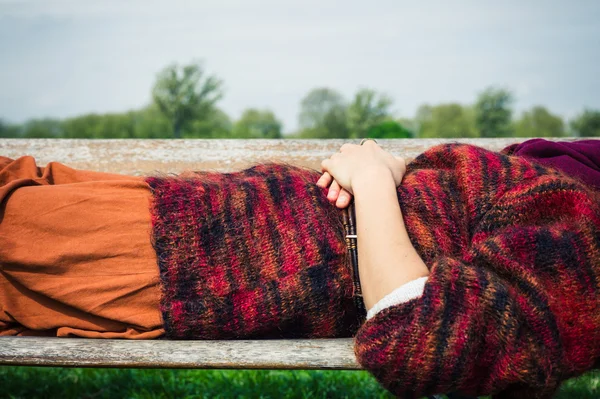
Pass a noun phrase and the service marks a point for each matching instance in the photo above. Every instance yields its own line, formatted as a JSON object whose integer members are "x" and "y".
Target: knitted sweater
{"x": 249, "y": 254}
{"x": 510, "y": 306}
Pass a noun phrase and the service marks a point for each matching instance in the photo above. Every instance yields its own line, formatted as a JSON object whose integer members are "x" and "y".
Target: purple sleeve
{"x": 579, "y": 159}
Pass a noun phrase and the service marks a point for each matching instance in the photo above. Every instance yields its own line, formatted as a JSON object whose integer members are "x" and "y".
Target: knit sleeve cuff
{"x": 411, "y": 290}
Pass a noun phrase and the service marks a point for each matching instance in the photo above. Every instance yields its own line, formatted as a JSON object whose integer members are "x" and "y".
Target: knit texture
{"x": 511, "y": 306}
{"x": 255, "y": 253}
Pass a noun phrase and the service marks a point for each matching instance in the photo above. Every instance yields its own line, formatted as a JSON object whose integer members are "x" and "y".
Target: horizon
{"x": 64, "y": 58}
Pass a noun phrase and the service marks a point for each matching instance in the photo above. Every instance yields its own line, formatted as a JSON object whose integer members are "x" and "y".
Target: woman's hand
{"x": 336, "y": 194}
{"x": 386, "y": 256}
{"x": 353, "y": 163}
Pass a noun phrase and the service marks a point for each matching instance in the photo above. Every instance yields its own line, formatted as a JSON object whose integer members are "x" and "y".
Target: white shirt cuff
{"x": 404, "y": 293}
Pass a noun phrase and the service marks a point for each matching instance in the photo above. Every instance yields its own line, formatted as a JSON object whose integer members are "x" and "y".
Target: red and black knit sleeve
{"x": 511, "y": 306}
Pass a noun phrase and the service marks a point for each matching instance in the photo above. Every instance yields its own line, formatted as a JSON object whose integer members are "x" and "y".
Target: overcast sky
{"x": 65, "y": 58}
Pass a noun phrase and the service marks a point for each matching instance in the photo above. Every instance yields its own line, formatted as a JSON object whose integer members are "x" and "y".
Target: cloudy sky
{"x": 64, "y": 58}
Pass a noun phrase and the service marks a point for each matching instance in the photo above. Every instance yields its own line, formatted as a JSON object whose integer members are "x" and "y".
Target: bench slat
{"x": 139, "y": 157}
{"x": 247, "y": 354}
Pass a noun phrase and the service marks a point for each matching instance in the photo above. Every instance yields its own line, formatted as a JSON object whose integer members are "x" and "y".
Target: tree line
{"x": 185, "y": 104}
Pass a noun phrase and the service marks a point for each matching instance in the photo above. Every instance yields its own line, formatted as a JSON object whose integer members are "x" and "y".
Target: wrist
{"x": 370, "y": 177}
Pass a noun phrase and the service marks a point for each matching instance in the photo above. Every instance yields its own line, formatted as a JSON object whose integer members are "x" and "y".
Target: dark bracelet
{"x": 349, "y": 221}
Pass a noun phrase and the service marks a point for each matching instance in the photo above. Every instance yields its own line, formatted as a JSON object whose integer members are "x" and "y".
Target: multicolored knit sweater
{"x": 252, "y": 254}
{"x": 511, "y": 306}
{"x": 512, "y": 302}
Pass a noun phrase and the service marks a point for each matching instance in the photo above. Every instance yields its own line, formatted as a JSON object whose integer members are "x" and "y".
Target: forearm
{"x": 386, "y": 257}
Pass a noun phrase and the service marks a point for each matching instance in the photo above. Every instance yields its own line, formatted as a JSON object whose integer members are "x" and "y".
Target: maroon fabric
{"x": 580, "y": 159}
{"x": 511, "y": 306}
{"x": 512, "y": 303}
{"x": 248, "y": 254}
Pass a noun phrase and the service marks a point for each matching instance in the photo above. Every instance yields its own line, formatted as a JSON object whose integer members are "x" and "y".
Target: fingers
{"x": 339, "y": 195}
{"x": 336, "y": 194}
{"x": 325, "y": 180}
{"x": 347, "y": 146}
{"x": 334, "y": 191}
{"x": 343, "y": 199}
{"x": 338, "y": 165}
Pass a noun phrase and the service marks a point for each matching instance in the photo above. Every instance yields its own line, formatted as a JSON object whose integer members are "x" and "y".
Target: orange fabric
{"x": 75, "y": 253}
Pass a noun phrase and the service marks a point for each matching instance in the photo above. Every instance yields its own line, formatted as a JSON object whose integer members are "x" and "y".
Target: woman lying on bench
{"x": 478, "y": 272}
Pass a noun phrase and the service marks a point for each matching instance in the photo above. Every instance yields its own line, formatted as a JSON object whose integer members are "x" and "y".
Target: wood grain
{"x": 255, "y": 354}
{"x": 142, "y": 157}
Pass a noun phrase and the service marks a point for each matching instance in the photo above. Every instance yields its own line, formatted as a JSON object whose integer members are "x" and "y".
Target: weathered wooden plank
{"x": 140, "y": 157}
{"x": 251, "y": 354}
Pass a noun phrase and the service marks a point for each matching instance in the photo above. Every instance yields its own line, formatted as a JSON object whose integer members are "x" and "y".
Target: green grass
{"x": 65, "y": 383}
{"x": 584, "y": 387}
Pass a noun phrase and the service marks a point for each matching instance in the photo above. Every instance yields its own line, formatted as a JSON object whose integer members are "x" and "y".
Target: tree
{"x": 101, "y": 126}
{"x": 445, "y": 120}
{"x": 256, "y": 123}
{"x": 412, "y": 125}
{"x": 82, "y": 127}
{"x": 539, "y": 122}
{"x": 150, "y": 123}
{"x": 493, "y": 113}
{"x": 368, "y": 109}
{"x": 184, "y": 94}
{"x": 389, "y": 129}
{"x": 42, "y": 128}
{"x": 9, "y": 130}
{"x": 323, "y": 115}
{"x": 216, "y": 125}
{"x": 587, "y": 124}
{"x": 115, "y": 126}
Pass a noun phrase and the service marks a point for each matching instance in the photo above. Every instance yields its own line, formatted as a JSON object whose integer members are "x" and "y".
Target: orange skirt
{"x": 75, "y": 253}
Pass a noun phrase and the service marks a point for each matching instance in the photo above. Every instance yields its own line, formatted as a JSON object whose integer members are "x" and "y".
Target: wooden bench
{"x": 139, "y": 157}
